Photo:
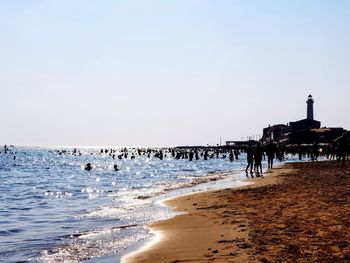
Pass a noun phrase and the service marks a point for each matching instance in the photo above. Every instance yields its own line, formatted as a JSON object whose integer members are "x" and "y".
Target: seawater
{"x": 52, "y": 210}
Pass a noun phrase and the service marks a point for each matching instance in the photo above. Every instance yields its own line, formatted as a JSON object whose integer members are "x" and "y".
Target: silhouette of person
{"x": 196, "y": 155}
{"x": 270, "y": 152}
{"x": 206, "y": 155}
{"x": 314, "y": 152}
{"x": 300, "y": 153}
{"x": 191, "y": 155}
{"x": 342, "y": 149}
{"x": 88, "y": 167}
{"x": 231, "y": 156}
{"x": 236, "y": 153}
{"x": 250, "y": 158}
{"x": 258, "y": 155}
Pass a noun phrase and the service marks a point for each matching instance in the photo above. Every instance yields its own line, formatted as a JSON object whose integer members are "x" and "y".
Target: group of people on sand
{"x": 342, "y": 149}
{"x": 337, "y": 149}
{"x": 257, "y": 154}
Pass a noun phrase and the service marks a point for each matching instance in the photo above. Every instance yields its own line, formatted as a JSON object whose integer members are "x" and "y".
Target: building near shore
{"x": 305, "y": 131}
{"x": 276, "y": 132}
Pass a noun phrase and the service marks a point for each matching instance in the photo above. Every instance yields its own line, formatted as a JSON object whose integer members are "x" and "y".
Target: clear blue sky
{"x": 168, "y": 72}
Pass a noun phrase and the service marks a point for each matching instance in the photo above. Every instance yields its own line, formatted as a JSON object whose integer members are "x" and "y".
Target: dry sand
{"x": 298, "y": 213}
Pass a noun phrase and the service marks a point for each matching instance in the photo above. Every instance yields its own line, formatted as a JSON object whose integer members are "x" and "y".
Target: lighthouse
{"x": 310, "y": 108}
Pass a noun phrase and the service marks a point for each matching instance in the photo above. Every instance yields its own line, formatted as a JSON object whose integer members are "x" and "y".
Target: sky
{"x": 167, "y": 73}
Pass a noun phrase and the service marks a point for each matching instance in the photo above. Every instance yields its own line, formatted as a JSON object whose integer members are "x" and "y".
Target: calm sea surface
{"x": 52, "y": 210}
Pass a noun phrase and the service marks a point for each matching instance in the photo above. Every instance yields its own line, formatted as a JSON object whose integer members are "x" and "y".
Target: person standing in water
{"x": 231, "y": 156}
{"x": 250, "y": 158}
{"x": 342, "y": 149}
{"x": 270, "y": 151}
{"x": 258, "y": 155}
{"x": 88, "y": 167}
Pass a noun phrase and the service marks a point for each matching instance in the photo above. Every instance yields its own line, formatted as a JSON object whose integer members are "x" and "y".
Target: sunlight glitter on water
{"x": 52, "y": 210}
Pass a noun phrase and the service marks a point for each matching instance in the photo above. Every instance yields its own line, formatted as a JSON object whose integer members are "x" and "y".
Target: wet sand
{"x": 298, "y": 213}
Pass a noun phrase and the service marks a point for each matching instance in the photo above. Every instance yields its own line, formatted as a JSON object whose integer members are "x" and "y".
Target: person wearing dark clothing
{"x": 300, "y": 153}
{"x": 88, "y": 167}
{"x": 258, "y": 155}
{"x": 231, "y": 156}
{"x": 270, "y": 152}
{"x": 314, "y": 152}
{"x": 196, "y": 155}
{"x": 206, "y": 155}
{"x": 236, "y": 153}
{"x": 250, "y": 158}
{"x": 191, "y": 155}
{"x": 342, "y": 149}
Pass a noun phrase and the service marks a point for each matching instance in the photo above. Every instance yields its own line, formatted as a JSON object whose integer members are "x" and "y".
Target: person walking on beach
{"x": 258, "y": 155}
{"x": 314, "y": 152}
{"x": 250, "y": 158}
{"x": 342, "y": 149}
{"x": 270, "y": 152}
{"x": 300, "y": 153}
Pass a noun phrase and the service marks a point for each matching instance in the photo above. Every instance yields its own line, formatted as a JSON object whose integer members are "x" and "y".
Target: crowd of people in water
{"x": 256, "y": 152}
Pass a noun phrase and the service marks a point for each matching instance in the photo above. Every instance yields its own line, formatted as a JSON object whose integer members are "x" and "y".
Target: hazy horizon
{"x": 168, "y": 73}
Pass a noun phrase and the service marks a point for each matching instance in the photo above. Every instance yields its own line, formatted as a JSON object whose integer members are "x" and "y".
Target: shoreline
{"x": 227, "y": 225}
{"x": 175, "y": 203}
{"x": 211, "y": 182}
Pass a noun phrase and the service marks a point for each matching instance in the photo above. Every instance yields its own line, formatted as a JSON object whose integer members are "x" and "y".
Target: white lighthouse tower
{"x": 310, "y": 108}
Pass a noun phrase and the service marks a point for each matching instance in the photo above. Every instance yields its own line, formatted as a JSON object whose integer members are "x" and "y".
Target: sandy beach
{"x": 296, "y": 213}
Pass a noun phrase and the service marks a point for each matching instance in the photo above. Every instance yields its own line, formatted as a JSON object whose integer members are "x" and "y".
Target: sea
{"x": 53, "y": 210}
